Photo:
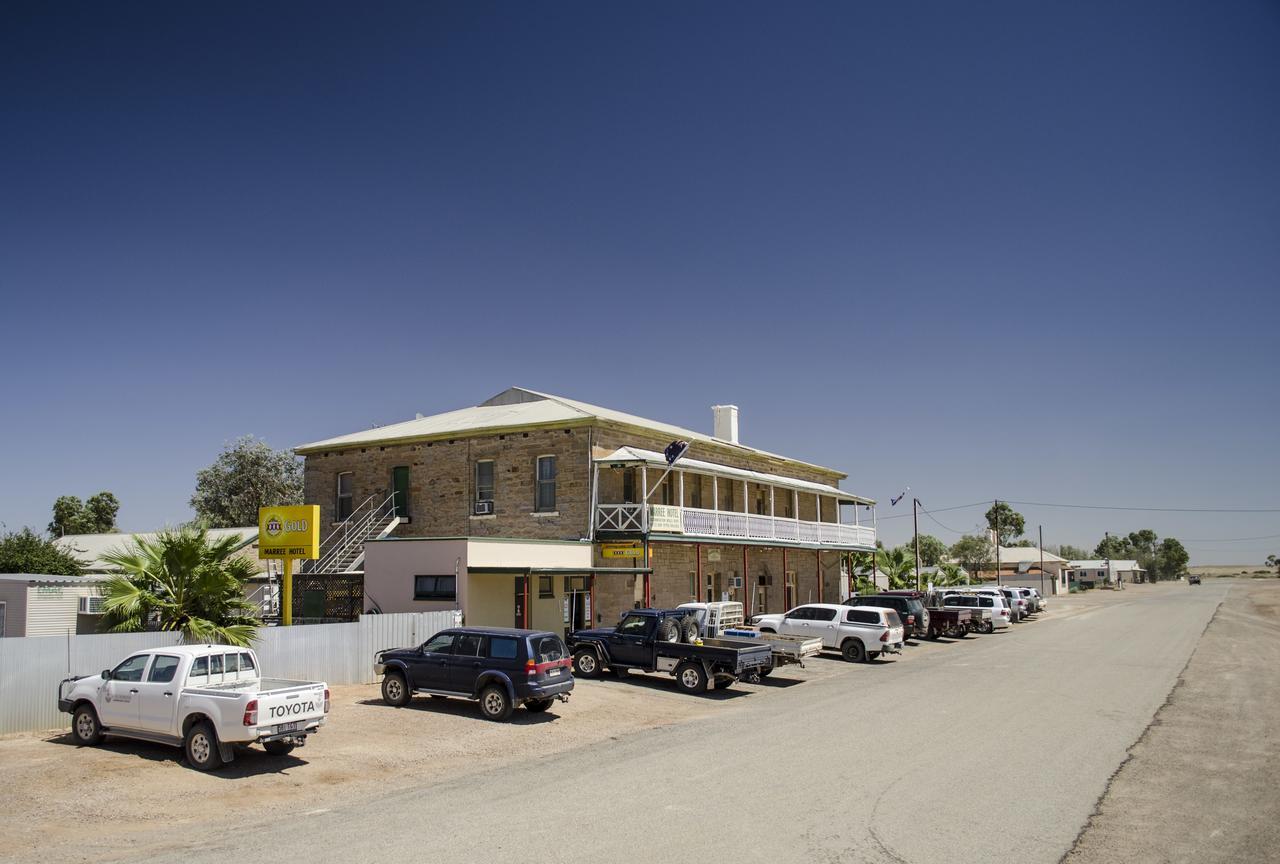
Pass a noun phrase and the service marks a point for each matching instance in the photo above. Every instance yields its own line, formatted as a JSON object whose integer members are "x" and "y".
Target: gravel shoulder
{"x": 1201, "y": 784}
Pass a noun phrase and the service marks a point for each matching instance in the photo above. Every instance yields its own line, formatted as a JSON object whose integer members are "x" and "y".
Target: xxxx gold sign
{"x": 289, "y": 532}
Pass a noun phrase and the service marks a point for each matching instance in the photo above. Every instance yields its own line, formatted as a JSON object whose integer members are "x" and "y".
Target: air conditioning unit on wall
{"x": 90, "y": 605}
{"x": 735, "y": 582}
{"x": 484, "y": 508}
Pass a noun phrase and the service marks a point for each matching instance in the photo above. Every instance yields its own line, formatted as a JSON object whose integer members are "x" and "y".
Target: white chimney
{"x": 726, "y": 422}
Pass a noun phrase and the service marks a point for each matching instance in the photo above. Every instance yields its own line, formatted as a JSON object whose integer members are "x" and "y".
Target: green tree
{"x": 1071, "y": 553}
{"x": 1114, "y": 547}
{"x": 181, "y": 581}
{"x": 1274, "y": 561}
{"x": 1006, "y": 522}
{"x": 1171, "y": 559}
{"x": 95, "y": 516}
{"x": 899, "y": 566}
{"x": 26, "y": 551}
{"x": 932, "y": 550}
{"x": 246, "y": 476}
{"x": 1024, "y": 543}
{"x": 973, "y": 552}
{"x": 950, "y": 574}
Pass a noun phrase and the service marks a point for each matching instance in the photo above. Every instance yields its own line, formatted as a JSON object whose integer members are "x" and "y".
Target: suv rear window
{"x": 548, "y": 649}
{"x": 502, "y": 647}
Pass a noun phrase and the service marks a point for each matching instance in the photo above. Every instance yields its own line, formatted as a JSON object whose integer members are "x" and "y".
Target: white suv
{"x": 857, "y": 632}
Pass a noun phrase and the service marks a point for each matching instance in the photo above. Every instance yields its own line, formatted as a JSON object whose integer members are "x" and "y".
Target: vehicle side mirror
{"x": 106, "y": 674}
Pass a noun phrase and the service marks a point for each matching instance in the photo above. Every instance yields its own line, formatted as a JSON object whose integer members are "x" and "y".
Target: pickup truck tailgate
{"x": 289, "y": 709}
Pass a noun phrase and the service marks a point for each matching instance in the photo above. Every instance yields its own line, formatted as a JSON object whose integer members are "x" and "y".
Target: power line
{"x": 936, "y": 510}
{"x": 944, "y": 527}
{"x": 1231, "y": 539}
{"x": 1147, "y": 509}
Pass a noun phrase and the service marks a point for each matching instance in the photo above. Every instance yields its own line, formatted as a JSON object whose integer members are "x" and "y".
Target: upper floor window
{"x": 668, "y": 491}
{"x": 545, "y": 500}
{"x": 400, "y": 489}
{"x": 346, "y": 483}
{"x": 695, "y": 490}
{"x": 629, "y": 486}
{"x": 484, "y": 480}
{"x": 726, "y": 497}
{"x": 761, "y": 503}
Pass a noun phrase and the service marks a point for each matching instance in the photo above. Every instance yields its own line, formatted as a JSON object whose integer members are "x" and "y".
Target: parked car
{"x": 723, "y": 619}
{"x": 499, "y": 667}
{"x": 202, "y": 698}
{"x": 1193, "y": 579}
{"x": 859, "y": 633}
{"x": 667, "y": 640}
{"x": 995, "y": 613}
{"x": 908, "y": 605}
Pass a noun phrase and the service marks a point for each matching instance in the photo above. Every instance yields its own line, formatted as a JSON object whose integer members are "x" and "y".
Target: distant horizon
{"x": 1022, "y": 252}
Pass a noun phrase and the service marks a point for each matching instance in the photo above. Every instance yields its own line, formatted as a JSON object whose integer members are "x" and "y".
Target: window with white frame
{"x": 484, "y": 480}
{"x": 545, "y": 496}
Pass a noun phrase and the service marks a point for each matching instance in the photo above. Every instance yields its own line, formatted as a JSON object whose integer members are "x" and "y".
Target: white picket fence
{"x": 32, "y": 666}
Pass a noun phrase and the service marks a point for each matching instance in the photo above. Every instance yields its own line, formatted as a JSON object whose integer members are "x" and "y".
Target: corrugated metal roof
{"x": 649, "y": 457}
{"x": 519, "y": 407}
{"x": 1101, "y": 564}
{"x": 89, "y": 548}
{"x": 45, "y": 579}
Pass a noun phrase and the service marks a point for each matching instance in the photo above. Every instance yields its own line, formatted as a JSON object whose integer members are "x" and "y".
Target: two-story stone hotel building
{"x": 535, "y": 510}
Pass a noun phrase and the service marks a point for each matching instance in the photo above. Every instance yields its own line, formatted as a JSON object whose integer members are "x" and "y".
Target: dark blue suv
{"x": 498, "y": 666}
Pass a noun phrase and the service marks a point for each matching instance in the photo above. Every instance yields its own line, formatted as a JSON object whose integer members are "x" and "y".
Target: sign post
{"x": 285, "y": 534}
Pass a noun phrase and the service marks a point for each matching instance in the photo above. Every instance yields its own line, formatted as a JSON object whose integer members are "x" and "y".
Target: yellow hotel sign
{"x": 621, "y": 550}
{"x": 289, "y": 532}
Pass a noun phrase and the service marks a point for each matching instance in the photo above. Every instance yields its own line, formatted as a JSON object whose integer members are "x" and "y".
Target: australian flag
{"x": 675, "y": 450}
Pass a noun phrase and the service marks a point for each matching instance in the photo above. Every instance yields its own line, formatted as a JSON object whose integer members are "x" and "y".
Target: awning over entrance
{"x": 568, "y": 571}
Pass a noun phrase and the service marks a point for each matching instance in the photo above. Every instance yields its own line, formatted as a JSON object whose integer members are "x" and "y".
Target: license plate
{"x": 289, "y": 727}
{"x": 551, "y": 673}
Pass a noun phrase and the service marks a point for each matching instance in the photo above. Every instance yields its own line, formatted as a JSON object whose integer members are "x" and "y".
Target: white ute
{"x": 859, "y": 633}
{"x": 202, "y": 698}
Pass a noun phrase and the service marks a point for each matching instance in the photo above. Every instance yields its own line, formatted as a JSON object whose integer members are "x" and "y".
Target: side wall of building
{"x": 442, "y": 483}
{"x": 14, "y": 596}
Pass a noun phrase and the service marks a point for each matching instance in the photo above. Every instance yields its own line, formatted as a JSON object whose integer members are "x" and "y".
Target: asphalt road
{"x": 994, "y": 750}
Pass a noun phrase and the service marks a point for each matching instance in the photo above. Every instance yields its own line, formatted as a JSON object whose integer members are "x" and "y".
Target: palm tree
{"x": 950, "y": 574}
{"x": 899, "y": 566}
{"x": 183, "y": 581}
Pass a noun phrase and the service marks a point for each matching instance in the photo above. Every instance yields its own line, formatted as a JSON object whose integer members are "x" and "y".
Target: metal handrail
{"x": 354, "y": 530}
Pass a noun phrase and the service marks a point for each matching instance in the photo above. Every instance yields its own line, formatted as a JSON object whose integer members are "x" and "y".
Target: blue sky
{"x": 1020, "y": 251}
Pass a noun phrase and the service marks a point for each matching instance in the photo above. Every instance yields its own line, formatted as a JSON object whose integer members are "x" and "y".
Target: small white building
{"x": 1106, "y": 571}
{"x": 262, "y": 589}
{"x": 38, "y": 605}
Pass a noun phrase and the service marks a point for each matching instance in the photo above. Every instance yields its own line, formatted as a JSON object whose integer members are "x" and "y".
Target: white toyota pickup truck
{"x": 203, "y": 698}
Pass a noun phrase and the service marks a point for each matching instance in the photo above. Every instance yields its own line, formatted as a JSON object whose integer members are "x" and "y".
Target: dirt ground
{"x": 1203, "y": 783}
{"x": 56, "y": 796}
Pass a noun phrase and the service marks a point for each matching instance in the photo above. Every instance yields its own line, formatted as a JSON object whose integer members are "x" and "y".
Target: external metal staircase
{"x": 343, "y": 550}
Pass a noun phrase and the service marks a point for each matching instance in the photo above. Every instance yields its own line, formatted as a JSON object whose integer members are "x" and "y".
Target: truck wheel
{"x": 537, "y": 706}
{"x": 764, "y": 671}
{"x": 278, "y": 748}
{"x": 691, "y": 677}
{"x": 668, "y": 630}
{"x": 689, "y": 630}
{"x": 988, "y": 627}
{"x": 85, "y": 726}
{"x": 586, "y": 664}
{"x": 201, "y": 747}
{"x": 495, "y": 704}
{"x": 723, "y": 682}
{"x": 853, "y": 651}
{"x": 395, "y": 692}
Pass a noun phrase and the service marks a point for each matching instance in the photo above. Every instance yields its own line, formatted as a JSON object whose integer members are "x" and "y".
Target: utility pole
{"x": 915, "y": 523}
{"x": 996, "y": 507}
{"x": 1041, "y": 560}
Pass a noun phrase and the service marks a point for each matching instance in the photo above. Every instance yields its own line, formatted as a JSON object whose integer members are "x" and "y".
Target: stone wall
{"x": 442, "y": 483}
